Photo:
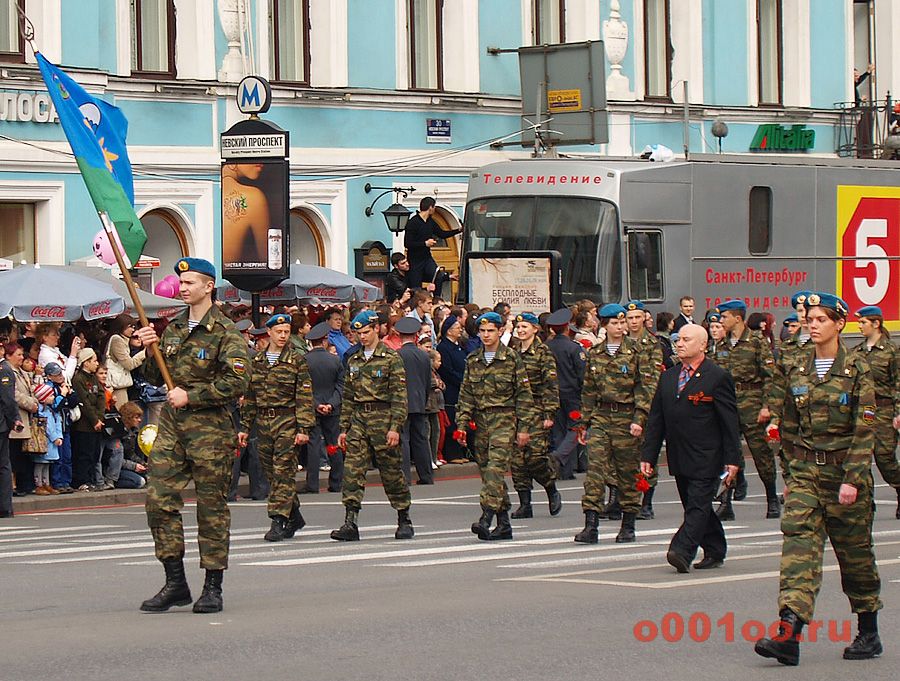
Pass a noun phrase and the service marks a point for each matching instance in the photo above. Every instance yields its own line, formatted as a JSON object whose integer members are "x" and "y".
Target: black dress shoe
{"x": 333, "y": 490}
{"x": 709, "y": 563}
{"x": 679, "y": 562}
{"x": 307, "y": 490}
{"x": 17, "y": 493}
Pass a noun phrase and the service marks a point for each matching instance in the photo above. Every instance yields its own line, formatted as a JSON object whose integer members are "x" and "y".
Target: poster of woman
{"x": 253, "y": 210}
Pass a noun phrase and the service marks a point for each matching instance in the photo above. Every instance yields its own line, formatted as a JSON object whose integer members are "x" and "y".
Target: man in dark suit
{"x": 9, "y": 421}
{"x": 695, "y": 411}
{"x": 327, "y": 374}
{"x": 570, "y": 362}
{"x": 422, "y": 233}
{"x": 686, "y": 315}
{"x": 414, "y": 440}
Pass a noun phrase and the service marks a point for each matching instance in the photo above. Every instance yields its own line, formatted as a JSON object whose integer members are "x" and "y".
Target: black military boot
{"x": 294, "y": 522}
{"x": 524, "y": 510}
{"x": 589, "y": 535}
{"x": 646, "y": 512}
{"x": 174, "y": 592}
{"x": 277, "y": 531}
{"x": 404, "y": 525}
{"x": 211, "y": 598}
{"x": 555, "y": 499}
{"x": 867, "y": 643}
{"x": 786, "y": 646}
{"x": 612, "y": 510}
{"x": 740, "y": 486}
{"x": 503, "y": 529}
{"x": 726, "y": 510}
{"x": 773, "y": 508}
{"x": 349, "y": 531}
{"x": 626, "y": 533}
{"x": 483, "y": 527}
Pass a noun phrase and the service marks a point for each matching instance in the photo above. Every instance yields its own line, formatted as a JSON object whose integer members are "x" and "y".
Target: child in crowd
{"x": 61, "y": 473}
{"x": 87, "y": 431}
{"x": 434, "y": 407}
{"x": 52, "y": 424}
{"x": 134, "y": 464}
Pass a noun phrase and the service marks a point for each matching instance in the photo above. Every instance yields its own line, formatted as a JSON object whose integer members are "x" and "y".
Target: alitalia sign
{"x": 777, "y": 138}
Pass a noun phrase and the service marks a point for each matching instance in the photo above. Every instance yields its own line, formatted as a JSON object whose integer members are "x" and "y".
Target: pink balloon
{"x": 166, "y": 288}
{"x": 103, "y": 249}
{"x": 173, "y": 278}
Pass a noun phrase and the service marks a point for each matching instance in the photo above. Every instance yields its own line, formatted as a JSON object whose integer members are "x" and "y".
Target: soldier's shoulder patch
{"x": 238, "y": 366}
{"x": 582, "y": 356}
{"x": 4, "y": 379}
{"x": 769, "y": 362}
{"x": 868, "y": 412}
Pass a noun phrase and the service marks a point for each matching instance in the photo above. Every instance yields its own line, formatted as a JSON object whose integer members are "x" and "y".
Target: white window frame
{"x": 49, "y": 199}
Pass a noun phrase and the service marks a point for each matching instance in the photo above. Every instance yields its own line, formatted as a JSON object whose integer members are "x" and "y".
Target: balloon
{"x": 146, "y": 438}
{"x": 166, "y": 288}
{"x": 103, "y": 249}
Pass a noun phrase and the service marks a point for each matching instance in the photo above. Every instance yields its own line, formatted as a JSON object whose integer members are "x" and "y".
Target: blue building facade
{"x": 356, "y": 82}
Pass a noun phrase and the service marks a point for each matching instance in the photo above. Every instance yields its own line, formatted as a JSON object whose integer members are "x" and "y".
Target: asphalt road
{"x": 442, "y": 606}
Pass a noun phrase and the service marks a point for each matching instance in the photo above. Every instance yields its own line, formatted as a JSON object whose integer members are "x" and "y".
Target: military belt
{"x": 748, "y": 386}
{"x": 367, "y": 407}
{"x": 615, "y": 406}
{"x": 819, "y": 457}
{"x": 500, "y": 409}
{"x": 272, "y": 412}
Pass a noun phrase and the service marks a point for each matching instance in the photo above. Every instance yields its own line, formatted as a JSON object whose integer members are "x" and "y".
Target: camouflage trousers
{"x": 367, "y": 443}
{"x": 533, "y": 463}
{"x": 755, "y": 435}
{"x": 495, "y": 442}
{"x": 812, "y": 513}
{"x": 885, "y": 445}
{"x": 279, "y": 461}
{"x": 613, "y": 459}
{"x": 192, "y": 445}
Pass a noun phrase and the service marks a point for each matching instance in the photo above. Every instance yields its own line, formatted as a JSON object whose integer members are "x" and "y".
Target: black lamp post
{"x": 396, "y": 214}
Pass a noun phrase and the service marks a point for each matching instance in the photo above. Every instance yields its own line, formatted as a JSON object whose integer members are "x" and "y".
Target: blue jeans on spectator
{"x": 61, "y": 473}
{"x": 114, "y": 455}
{"x": 130, "y": 480}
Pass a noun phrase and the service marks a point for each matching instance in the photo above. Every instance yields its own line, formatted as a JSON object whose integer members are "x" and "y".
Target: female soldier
{"x": 884, "y": 360}
{"x": 831, "y": 408}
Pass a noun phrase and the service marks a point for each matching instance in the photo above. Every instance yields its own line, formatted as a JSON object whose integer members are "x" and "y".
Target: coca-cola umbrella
{"x": 310, "y": 281}
{"x": 32, "y": 293}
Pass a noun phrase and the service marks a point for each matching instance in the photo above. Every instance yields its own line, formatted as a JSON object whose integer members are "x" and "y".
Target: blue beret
{"x": 791, "y": 319}
{"x": 731, "y": 305}
{"x": 318, "y": 332}
{"x": 799, "y": 298}
{"x": 408, "y": 326}
{"x": 714, "y": 316}
{"x": 276, "y": 319}
{"x": 490, "y": 318}
{"x": 632, "y": 305}
{"x": 827, "y": 300}
{"x": 198, "y": 265}
{"x": 364, "y": 319}
{"x": 528, "y": 317}
{"x": 867, "y": 311}
{"x": 560, "y": 318}
{"x": 611, "y": 311}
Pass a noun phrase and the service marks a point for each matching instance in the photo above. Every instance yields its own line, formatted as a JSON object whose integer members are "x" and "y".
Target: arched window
{"x": 307, "y": 244}
{"x": 166, "y": 239}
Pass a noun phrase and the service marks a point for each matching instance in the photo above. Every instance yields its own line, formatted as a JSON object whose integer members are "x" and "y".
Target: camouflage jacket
{"x": 834, "y": 413}
{"x": 540, "y": 364}
{"x": 502, "y": 383}
{"x": 790, "y": 353}
{"x": 750, "y": 363}
{"x": 624, "y": 378}
{"x": 648, "y": 346}
{"x": 381, "y": 378}
{"x": 884, "y": 362}
{"x": 210, "y": 362}
{"x": 285, "y": 384}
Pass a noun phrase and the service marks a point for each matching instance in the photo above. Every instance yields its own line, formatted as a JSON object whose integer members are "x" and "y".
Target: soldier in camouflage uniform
{"x": 884, "y": 361}
{"x": 208, "y": 362}
{"x": 496, "y": 397}
{"x": 652, "y": 356}
{"x": 747, "y": 356}
{"x": 831, "y": 408}
{"x": 618, "y": 389}
{"x": 533, "y": 462}
{"x": 279, "y": 403}
{"x": 372, "y": 415}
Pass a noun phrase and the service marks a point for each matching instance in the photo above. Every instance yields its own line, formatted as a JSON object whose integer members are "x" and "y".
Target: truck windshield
{"x": 584, "y": 231}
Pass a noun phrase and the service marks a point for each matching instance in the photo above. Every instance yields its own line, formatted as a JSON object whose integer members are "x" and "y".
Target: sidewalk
{"x": 126, "y": 497}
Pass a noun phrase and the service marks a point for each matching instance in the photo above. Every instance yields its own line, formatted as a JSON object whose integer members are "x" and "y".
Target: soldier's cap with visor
{"x": 733, "y": 305}
{"x": 277, "y": 319}
{"x": 611, "y": 311}
{"x": 363, "y": 319}
{"x": 198, "y": 265}
{"x": 632, "y": 305}
{"x": 867, "y": 311}
{"x": 799, "y": 298}
{"x": 791, "y": 319}
{"x": 259, "y": 333}
{"x": 318, "y": 332}
{"x": 408, "y": 326}
{"x": 243, "y": 325}
{"x": 490, "y": 318}
{"x": 827, "y": 300}
{"x": 52, "y": 369}
{"x": 529, "y": 317}
{"x": 561, "y": 317}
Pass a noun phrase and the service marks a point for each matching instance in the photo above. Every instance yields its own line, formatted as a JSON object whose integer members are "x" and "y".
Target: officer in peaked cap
{"x": 570, "y": 361}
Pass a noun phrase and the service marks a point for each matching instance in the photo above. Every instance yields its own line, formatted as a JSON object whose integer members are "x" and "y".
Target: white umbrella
{"x": 155, "y": 307}
{"x": 47, "y": 294}
{"x": 310, "y": 281}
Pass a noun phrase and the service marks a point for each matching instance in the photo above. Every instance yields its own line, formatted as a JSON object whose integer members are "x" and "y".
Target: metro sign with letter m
{"x": 868, "y": 249}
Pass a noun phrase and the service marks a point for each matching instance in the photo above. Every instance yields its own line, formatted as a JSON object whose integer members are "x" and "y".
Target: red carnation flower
{"x": 575, "y": 415}
{"x": 773, "y": 434}
{"x": 331, "y": 450}
{"x": 642, "y": 484}
{"x": 472, "y": 425}
{"x": 458, "y": 435}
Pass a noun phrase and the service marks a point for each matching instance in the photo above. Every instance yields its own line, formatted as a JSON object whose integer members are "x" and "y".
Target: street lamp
{"x": 396, "y": 214}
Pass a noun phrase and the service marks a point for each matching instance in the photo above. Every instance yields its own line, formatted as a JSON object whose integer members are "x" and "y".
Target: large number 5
{"x": 872, "y": 294}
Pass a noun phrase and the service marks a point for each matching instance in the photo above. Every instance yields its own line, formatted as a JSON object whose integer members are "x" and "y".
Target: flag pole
{"x": 132, "y": 291}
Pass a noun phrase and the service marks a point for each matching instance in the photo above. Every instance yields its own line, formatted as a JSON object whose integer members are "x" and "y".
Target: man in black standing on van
{"x": 422, "y": 232}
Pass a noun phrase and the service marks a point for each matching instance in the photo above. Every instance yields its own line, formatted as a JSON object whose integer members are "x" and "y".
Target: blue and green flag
{"x": 96, "y": 132}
